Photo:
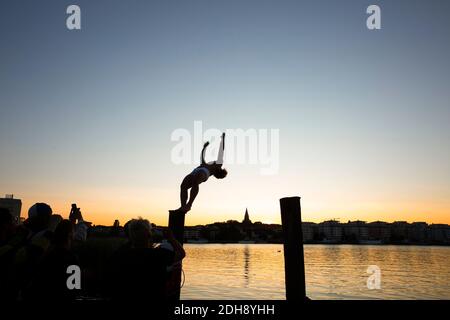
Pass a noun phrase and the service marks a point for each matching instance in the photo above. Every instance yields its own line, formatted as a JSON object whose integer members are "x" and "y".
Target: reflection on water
{"x": 246, "y": 265}
{"x": 256, "y": 271}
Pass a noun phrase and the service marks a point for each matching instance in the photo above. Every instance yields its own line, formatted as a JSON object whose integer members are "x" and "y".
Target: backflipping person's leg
{"x": 184, "y": 187}
{"x": 188, "y": 183}
{"x": 193, "y": 194}
{"x": 183, "y": 195}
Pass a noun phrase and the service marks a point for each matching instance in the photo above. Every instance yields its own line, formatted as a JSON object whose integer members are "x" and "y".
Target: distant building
{"x": 438, "y": 233}
{"x": 331, "y": 230}
{"x": 13, "y": 205}
{"x": 399, "y": 231}
{"x": 246, "y": 221}
{"x": 417, "y": 232}
{"x": 309, "y": 229}
{"x": 212, "y": 232}
{"x": 247, "y": 227}
{"x": 192, "y": 233}
{"x": 356, "y": 231}
{"x": 379, "y": 230}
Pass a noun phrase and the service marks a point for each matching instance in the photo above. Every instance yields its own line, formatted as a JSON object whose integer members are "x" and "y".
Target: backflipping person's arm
{"x": 202, "y": 156}
{"x": 179, "y": 252}
{"x": 221, "y": 150}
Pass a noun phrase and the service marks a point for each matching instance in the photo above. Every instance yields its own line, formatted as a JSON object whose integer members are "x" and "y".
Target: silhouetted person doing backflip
{"x": 200, "y": 175}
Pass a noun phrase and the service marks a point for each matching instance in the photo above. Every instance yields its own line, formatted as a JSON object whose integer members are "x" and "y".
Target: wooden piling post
{"x": 294, "y": 263}
{"x": 176, "y": 224}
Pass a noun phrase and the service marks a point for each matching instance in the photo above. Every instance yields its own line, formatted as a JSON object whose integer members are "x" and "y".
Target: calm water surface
{"x": 256, "y": 271}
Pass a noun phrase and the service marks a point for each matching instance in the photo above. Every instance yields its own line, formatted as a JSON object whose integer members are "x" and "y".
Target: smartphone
{"x": 158, "y": 232}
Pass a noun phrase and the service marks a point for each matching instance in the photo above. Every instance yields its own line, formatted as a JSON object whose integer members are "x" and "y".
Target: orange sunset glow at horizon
{"x": 105, "y": 213}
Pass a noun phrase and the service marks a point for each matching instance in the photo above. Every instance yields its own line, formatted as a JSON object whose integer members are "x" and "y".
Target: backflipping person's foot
{"x": 184, "y": 209}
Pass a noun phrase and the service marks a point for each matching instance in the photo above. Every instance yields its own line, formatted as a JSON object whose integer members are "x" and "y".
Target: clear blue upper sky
{"x": 363, "y": 115}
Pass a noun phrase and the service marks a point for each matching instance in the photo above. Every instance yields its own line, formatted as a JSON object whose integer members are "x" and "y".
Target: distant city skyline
{"x": 325, "y": 232}
{"x": 330, "y": 231}
{"x": 253, "y": 221}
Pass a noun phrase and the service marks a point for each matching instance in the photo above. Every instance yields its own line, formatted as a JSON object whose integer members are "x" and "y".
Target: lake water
{"x": 256, "y": 271}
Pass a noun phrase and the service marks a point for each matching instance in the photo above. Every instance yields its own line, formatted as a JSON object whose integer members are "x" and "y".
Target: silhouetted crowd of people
{"x": 39, "y": 260}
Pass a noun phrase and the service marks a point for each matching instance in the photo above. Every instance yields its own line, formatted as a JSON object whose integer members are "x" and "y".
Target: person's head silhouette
{"x": 140, "y": 233}
{"x": 6, "y": 225}
{"x": 39, "y": 216}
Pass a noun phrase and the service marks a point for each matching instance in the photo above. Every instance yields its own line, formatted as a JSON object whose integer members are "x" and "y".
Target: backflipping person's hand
{"x": 168, "y": 234}
{"x": 178, "y": 248}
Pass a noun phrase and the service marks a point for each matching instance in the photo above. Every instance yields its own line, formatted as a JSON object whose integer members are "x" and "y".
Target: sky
{"x": 86, "y": 116}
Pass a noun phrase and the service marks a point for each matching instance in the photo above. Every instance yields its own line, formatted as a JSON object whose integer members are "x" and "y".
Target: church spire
{"x": 246, "y": 218}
